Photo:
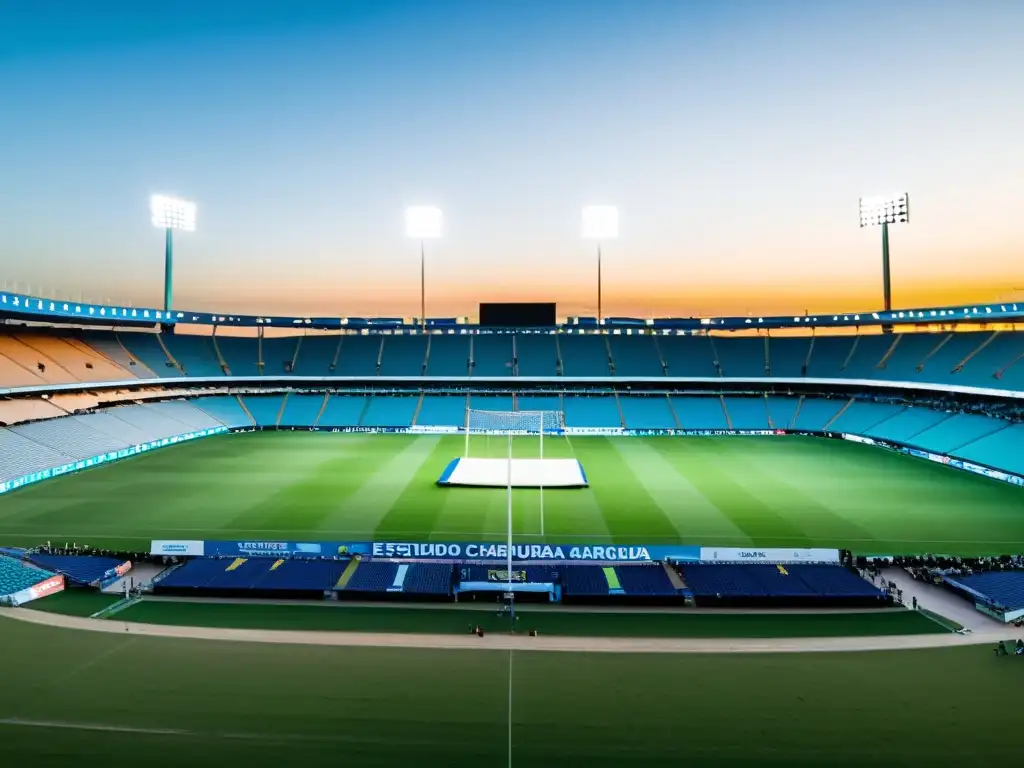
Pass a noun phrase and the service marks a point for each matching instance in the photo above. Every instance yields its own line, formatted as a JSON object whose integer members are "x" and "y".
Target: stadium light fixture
{"x": 883, "y": 210}
{"x": 600, "y": 223}
{"x": 423, "y": 222}
{"x": 171, "y": 213}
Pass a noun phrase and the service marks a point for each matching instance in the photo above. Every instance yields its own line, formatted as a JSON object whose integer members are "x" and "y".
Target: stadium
{"x": 360, "y": 484}
{"x": 342, "y": 423}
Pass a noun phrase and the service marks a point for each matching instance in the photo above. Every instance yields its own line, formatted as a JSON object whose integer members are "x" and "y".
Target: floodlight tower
{"x": 883, "y": 210}
{"x": 168, "y": 214}
{"x": 600, "y": 223}
{"x": 423, "y": 222}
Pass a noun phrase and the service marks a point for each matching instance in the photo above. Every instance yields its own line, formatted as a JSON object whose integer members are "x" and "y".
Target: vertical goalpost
{"x": 510, "y": 424}
{"x": 513, "y": 423}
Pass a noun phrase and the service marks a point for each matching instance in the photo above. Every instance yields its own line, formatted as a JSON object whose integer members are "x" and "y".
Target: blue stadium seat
{"x": 449, "y": 356}
{"x": 81, "y": 569}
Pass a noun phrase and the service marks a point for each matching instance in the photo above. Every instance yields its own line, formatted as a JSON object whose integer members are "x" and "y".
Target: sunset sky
{"x": 735, "y": 137}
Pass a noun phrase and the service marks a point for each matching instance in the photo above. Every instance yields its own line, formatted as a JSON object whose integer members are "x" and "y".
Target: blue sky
{"x": 735, "y": 137}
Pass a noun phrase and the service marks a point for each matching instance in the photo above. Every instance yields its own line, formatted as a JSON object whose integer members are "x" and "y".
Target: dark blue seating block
{"x": 584, "y": 580}
{"x": 371, "y": 576}
{"x": 303, "y": 575}
{"x": 648, "y": 580}
{"x": 429, "y": 579}
{"x": 1004, "y": 588}
{"x": 81, "y": 569}
{"x": 723, "y": 580}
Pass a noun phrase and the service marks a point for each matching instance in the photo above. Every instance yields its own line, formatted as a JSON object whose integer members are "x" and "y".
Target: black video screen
{"x": 517, "y": 314}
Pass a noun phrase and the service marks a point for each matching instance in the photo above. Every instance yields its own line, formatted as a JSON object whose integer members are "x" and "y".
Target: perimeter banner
{"x": 492, "y": 552}
{"x": 769, "y": 555}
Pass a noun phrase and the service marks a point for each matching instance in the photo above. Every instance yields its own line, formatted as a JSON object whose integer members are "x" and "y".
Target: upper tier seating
{"x": 34, "y": 359}
{"x": 492, "y": 355}
{"x": 970, "y": 358}
{"x": 404, "y": 356}
{"x": 449, "y": 356}
{"x": 584, "y": 356}
{"x": 636, "y": 356}
{"x": 16, "y": 575}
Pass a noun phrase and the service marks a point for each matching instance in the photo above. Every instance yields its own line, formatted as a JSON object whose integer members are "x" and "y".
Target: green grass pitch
{"x": 724, "y": 491}
{"x": 96, "y": 699}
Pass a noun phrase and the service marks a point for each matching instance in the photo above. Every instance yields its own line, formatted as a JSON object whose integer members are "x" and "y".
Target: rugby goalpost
{"x": 510, "y": 424}
{"x": 523, "y": 473}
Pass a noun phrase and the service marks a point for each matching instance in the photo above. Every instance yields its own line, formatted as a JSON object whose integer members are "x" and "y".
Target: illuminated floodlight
{"x": 423, "y": 222}
{"x": 172, "y": 213}
{"x": 885, "y": 209}
{"x": 600, "y": 222}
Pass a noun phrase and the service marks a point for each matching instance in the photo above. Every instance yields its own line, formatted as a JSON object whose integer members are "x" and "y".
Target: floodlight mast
{"x": 423, "y": 222}
{"x": 884, "y": 210}
{"x": 168, "y": 214}
{"x": 600, "y": 222}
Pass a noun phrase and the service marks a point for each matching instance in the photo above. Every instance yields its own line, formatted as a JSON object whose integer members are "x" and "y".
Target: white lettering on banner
{"x": 474, "y": 551}
{"x": 734, "y": 555}
{"x": 182, "y": 548}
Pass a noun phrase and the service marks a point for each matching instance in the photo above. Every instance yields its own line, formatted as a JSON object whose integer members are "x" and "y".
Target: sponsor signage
{"x": 286, "y": 548}
{"x": 177, "y": 547}
{"x": 520, "y": 552}
{"x": 767, "y": 555}
{"x": 491, "y": 552}
{"x": 46, "y": 587}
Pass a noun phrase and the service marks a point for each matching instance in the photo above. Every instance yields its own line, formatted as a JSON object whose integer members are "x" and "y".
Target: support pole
{"x": 423, "y": 287}
{"x": 511, "y": 599}
{"x": 168, "y": 269}
{"x": 598, "y": 283}
{"x": 886, "y": 282}
{"x": 541, "y": 476}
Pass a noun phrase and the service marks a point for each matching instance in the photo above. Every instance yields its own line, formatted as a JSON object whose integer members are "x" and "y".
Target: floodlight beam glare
{"x": 423, "y": 222}
{"x": 172, "y": 213}
{"x": 600, "y": 222}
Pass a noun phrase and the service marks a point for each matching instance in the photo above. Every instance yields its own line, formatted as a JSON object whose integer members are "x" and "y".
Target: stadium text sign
{"x": 777, "y": 555}
{"x": 472, "y": 551}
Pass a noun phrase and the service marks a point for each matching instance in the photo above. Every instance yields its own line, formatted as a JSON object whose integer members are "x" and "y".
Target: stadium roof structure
{"x": 19, "y": 307}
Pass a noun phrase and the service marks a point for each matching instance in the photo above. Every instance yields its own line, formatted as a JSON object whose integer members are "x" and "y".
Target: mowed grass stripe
{"x": 788, "y": 489}
{"x": 624, "y": 502}
{"x": 330, "y": 470}
{"x": 702, "y": 463}
{"x": 393, "y": 471}
{"x": 682, "y": 503}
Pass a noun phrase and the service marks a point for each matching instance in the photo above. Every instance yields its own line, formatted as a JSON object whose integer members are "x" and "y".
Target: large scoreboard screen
{"x": 517, "y": 314}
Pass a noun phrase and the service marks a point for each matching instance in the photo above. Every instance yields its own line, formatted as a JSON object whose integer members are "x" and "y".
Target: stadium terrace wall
{"x": 467, "y": 383}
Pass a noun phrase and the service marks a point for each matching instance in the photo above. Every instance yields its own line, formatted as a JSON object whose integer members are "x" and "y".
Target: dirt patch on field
{"x": 497, "y": 642}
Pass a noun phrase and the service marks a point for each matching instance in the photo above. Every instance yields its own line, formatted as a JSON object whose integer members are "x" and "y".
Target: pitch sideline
{"x": 501, "y": 642}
